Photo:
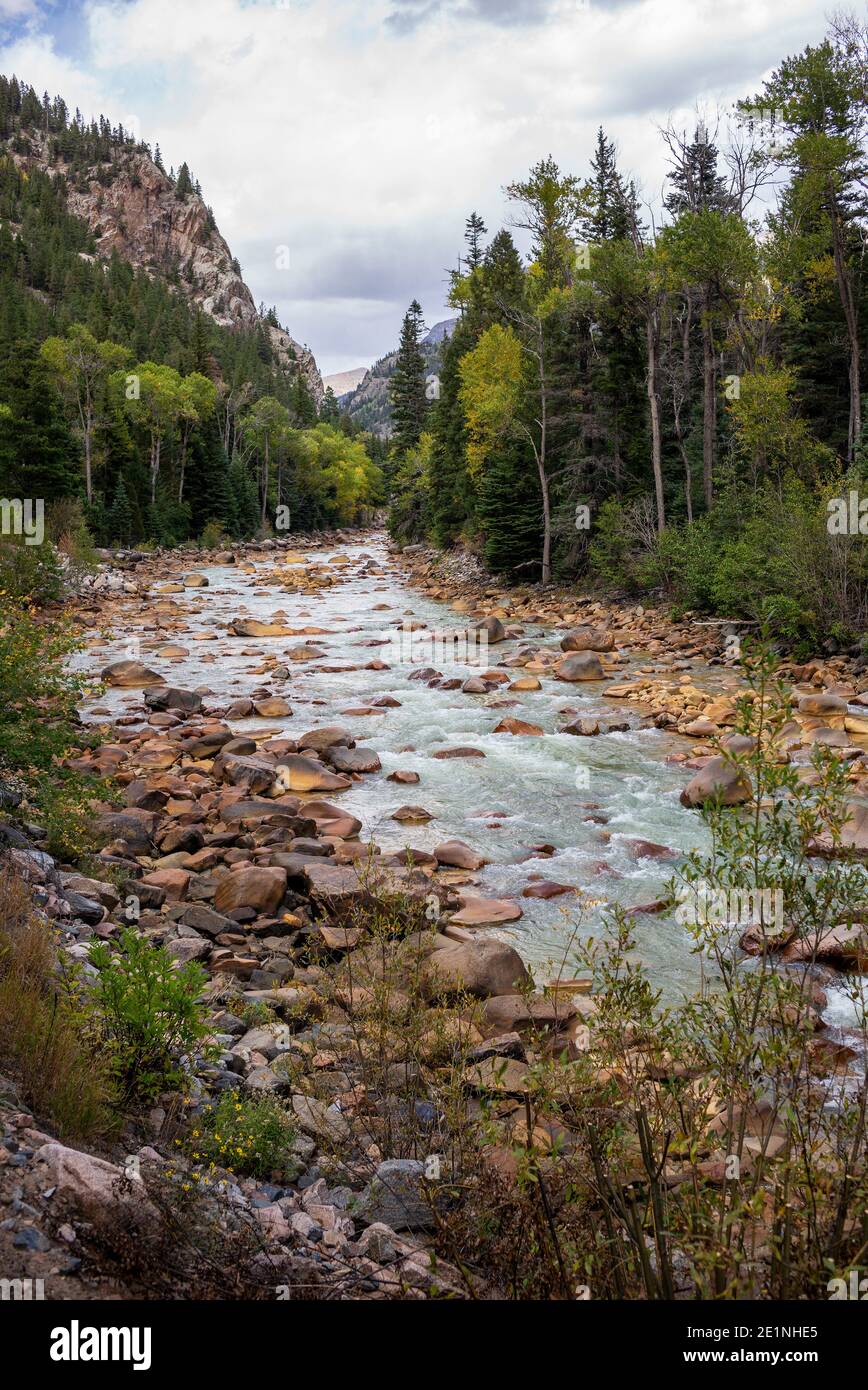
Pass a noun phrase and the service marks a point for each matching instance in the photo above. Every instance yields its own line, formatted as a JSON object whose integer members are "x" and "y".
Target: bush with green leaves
{"x": 148, "y": 1013}
{"x": 250, "y": 1136}
{"x": 29, "y": 573}
{"x": 39, "y": 725}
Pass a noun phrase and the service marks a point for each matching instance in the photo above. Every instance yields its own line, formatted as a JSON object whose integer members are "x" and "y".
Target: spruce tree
{"x": 407, "y": 384}
{"x": 474, "y": 230}
{"x": 120, "y": 519}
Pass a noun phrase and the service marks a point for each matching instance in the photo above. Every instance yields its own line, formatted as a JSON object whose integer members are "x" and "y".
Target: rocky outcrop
{"x": 138, "y": 214}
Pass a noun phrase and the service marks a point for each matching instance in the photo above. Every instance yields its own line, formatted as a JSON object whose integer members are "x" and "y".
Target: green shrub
{"x": 29, "y": 573}
{"x": 247, "y": 1136}
{"x": 148, "y": 1013}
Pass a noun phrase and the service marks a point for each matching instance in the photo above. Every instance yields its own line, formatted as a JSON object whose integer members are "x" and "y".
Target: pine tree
{"x": 329, "y": 411}
{"x": 609, "y": 219}
{"x": 474, "y": 230}
{"x": 184, "y": 184}
{"x": 120, "y": 518}
{"x": 407, "y": 384}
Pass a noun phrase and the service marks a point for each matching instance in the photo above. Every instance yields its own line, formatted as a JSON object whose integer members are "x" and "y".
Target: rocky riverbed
{"x": 290, "y": 733}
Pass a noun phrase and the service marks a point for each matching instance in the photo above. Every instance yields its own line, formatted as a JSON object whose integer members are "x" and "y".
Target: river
{"x": 587, "y": 797}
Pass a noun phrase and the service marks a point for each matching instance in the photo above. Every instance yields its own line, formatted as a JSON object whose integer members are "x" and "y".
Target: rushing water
{"x": 587, "y": 797}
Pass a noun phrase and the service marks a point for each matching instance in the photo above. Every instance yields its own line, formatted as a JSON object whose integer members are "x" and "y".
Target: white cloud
{"x": 362, "y": 144}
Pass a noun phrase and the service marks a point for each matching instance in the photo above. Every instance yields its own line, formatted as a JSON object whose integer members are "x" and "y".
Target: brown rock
{"x": 580, "y": 666}
{"x": 482, "y": 968}
{"x": 258, "y": 887}
{"x": 457, "y": 855}
{"x": 719, "y": 778}
{"x": 130, "y": 674}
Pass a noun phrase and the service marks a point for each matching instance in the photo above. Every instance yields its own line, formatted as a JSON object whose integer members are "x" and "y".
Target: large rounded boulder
{"x": 481, "y": 968}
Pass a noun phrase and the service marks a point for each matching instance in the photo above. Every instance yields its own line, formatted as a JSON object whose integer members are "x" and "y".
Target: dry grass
{"x": 43, "y": 1043}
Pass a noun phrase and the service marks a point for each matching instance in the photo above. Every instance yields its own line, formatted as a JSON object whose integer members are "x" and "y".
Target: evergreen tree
{"x": 120, "y": 518}
{"x": 183, "y": 184}
{"x": 475, "y": 229}
{"x": 407, "y": 386}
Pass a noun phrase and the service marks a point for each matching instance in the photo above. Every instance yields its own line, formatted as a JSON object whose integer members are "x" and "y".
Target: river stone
{"x": 457, "y": 855}
{"x": 321, "y": 1121}
{"x": 853, "y": 838}
{"x": 93, "y": 1189}
{"x": 250, "y": 772}
{"x": 822, "y": 704}
{"x": 332, "y": 736}
{"x": 274, "y": 707}
{"x": 518, "y": 726}
{"x": 580, "y": 666}
{"x": 587, "y": 639}
{"x": 353, "y": 759}
{"x": 546, "y": 888}
{"x": 719, "y": 778}
{"x": 135, "y": 827}
{"x": 394, "y": 1197}
{"x": 493, "y": 627}
{"x": 252, "y": 627}
{"x": 482, "y": 968}
{"x": 130, "y": 674}
{"x": 258, "y": 887}
{"x": 296, "y": 773}
{"x": 168, "y": 697}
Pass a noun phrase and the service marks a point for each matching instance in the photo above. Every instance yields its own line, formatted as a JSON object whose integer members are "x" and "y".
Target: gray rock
{"x": 394, "y": 1197}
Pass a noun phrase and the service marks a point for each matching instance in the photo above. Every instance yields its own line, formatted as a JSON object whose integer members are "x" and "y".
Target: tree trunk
{"x": 546, "y": 575}
{"x": 264, "y": 483}
{"x": 709, "y": 406}
{"x": 155, "y": 466}
{"x": 652, "y": 338}
{"x": 685, "y": 368}
{"x": 88, "y": 477}
{"x": 851, "y": 319}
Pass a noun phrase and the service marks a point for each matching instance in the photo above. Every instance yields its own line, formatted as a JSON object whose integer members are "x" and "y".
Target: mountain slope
{"x": 158, "y": 224}
{"x": 369, "y": 405}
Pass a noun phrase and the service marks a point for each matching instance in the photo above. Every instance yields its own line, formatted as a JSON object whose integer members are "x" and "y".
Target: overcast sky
{"x": 360, "y": 133}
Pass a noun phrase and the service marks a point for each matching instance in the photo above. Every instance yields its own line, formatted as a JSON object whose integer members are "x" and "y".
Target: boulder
{"x": 457, "y": 855}
{"x": 580, "y": 666}
{"x": 395, "y": 1197}
{"x": 719, "y": 778}
{"x": 518, "y": 726}
{"x": 493, "y": 627}
{"x": 274, "y": 707}
{"x": 168, "y": 697}
{"x": 91, "y": 1188}
{"x": 482, "y": 968}
{"x": 130, "y": 674}
{"x": 587, "y": 639}
{"x": 258, "y": 887}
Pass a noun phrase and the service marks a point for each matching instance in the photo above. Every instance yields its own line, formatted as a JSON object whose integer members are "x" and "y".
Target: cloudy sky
{"x": 360, "y": 133}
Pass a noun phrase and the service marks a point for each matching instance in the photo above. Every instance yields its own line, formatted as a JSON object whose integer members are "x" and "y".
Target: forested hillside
{"x": 136, "y": 373}
{"x": 672, "y": 408}
{"x": 369, "y": 404}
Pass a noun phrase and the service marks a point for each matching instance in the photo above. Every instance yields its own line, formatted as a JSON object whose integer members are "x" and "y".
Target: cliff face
{"x": 138, "y": 214}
